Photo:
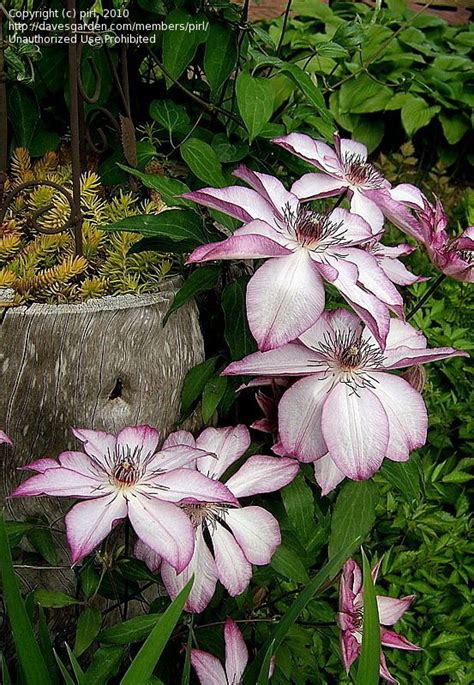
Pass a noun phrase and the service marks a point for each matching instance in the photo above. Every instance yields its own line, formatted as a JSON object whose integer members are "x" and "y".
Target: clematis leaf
{"x": 134, "y": 630}
{"x": 88, "y": 626}
{"x": 255, "y": 101}
{"x": 200, "y": 280}
{"x": 353, "y": 514}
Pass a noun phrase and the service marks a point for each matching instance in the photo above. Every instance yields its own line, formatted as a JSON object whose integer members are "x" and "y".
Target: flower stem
{"x": 339, "y": 200}
{"x": 426, "y": 296}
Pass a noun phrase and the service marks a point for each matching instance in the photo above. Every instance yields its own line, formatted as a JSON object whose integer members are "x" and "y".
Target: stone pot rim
{"x": 100, "y": 304}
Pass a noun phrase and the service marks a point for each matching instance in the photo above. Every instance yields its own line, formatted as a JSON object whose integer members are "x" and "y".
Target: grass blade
{"x": 141, "y": 668}
{"x": 29, "y": 655}
{"x": 6, "y": 680}
{"x": 263, "y": 676}
{"x": 369, "y": 660}
{"x": 284, "y": 625}
{"x": 187, "y": 662}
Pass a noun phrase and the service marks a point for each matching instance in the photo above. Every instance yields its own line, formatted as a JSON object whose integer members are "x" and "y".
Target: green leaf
{"x": 179, "y": 46}
{"x": 227, "y": 151}
{"x": 353, "y": 515}
{"x": 264, "y": 675}
{"x": 255, "y": 102}
{"x": 200, "y": 280}
{"x": 42, "y": 540}
{"x": 405, "y": 476}
{"x": 299, "y": 505}
{"x": 77, "y": 670}
{"x": 24, "y": 114}
{"x": 236, "y": 331}
{"x": 220, "y": 55}
{"x": 369, "y": 131}
{"x": 141, "y": 668}
{"x": 203, "y": 162}
{"x": 299, "y": 604}
{"x": 64, "y": 672}
{"x": 369, "y": 660}
{"x": 53, "y": 600}
{"x": 286, "y": 562}
{"x": 416, "y": 114}
{"x": 194, "y": 384}
{"x": 171, "y": 227}
{"x": 454, "y": 126}
{"x": 16, "y": 530}
{"x": 104, "y": 665}
{"x": 169, "y": 188}
{"x": 309, "y": 89}
{"x": 361, "y": 95}
{"x": 213, "y": 392}
{"x": 6, "y": 680}
{"x": 88, "y": 626}
{"x": 46, "y": 647}
{"x": 126, "y": 632}
{"x": 29, "y": 655}
{"x": 172, "y": 116}
{"x": 187, "y": 662}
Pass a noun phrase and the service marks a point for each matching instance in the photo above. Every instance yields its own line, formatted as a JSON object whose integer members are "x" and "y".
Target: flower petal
{"x": 236, "y": 652}
{"x": 339, "y": 321}
{"x": 83, "y": 464}
{"x": 241, "y": 203}
{"x": 185, "y": 485}
{"x": 313, "y": 151}
{"x": 268, "y": 187}
{"x": 256, "y": 531}
{"x": 403, "y": 334}
{"x": 284, "y": 298}
{"x": 390, "y": 638}
{"x": 292, "y": 359}
{"x": 247, "y": 246}
{"x": 346, "y": 147}
{"x": 350, "y": 649}
{"x": 164, "y": 527}
{"x": 356, "y": 447}
{"x": 139, "y": 440}
{"x": 233, "y": 568}
{"x": 357, "y": 230}
{"x": 97, "y": 444}
{"x": 179, "y": 438}
{"x": 407, "y": 356}
{"x": 88, "y": 523}
{"x": 174, "y": 457}
{"x": 203, "y": 566}
{"x": 147, "y": 555}
{"x": 327, "y": 475}
{"x": 407, "y": 415}
{"x": 384, "y": 672}
{"x": 312, "y": 186}
{"x": 4, "y": 439}
{"x": 262, "y": 474}
{"x": 391, "y": 609}
{"x": 373, "y": 279}
{"x": 41, "y": 465}
{"x": 299, "y": 418}
{"x": 367, "y": 208}
{"x": 61, "y": 482}
{"x": 224, "y": 446}
{"x": 351, "y": 585}
{"x": 397, "y": 272}
{"x": 208, "y": 668}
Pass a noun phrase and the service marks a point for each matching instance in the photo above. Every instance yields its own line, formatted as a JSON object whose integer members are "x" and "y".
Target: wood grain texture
{"x": 103, "y": 364}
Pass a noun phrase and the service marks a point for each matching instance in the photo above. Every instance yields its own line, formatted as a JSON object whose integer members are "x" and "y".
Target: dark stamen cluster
{"x": 360, "y": 172}
{"x": 125, "y": 473}
{"x": 351, "y": 350}
{"x": 312, "y": 229}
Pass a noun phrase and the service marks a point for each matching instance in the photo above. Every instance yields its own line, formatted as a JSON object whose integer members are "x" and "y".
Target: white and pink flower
{"x": 126, "y": 475}
{"x": 209, "y": 669}
{"x": 240, "y": 536}
{"x": 350, "y": 618}
{"x": 347, "y": 408}
{"x": 304, "y": 248}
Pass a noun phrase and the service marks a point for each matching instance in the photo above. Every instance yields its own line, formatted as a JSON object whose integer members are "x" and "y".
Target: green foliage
{"x": 369, "y": 661}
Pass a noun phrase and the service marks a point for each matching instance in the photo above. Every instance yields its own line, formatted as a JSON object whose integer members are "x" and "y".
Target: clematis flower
{"x": 240, "y": 537}
{"x": 346, "y": 403}
{"x": 125, "y": 475}
{"x": 286, "y": 296}
{"x": 210, "y": 670}
{"x": 351, "y": 618}
{"x": 345, "y": 168}
{"x": 5, "y": 439}
{"x": 388, "y": 260}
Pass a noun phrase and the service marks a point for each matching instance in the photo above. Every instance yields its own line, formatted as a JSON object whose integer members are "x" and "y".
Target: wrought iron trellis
{"x": 81, "y": 128}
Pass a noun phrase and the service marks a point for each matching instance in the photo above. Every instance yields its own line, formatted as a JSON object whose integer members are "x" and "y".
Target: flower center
{"x": 125, "y": 473}
{"x": 311, "y": 229}
{"x": 361, "y": 173}
{"x": 205, "y": 513}
{"x": 466, "y": 255}
{"x": 350, "y": 358}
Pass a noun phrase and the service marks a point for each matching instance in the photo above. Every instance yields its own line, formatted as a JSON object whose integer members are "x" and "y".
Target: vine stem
{"x": 283, "y": 28}
{"x": 426, "y": 296}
